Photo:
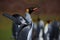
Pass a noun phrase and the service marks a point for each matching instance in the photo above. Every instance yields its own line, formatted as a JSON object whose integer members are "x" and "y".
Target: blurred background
{"x": 47, "y": 9}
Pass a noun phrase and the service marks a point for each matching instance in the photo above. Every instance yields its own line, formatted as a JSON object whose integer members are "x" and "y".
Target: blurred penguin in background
{"x": 47, "y": 29}
{"x": 40, "y": 27}
{"x": 54, "y": 34}
{"x": 59, "y": 29}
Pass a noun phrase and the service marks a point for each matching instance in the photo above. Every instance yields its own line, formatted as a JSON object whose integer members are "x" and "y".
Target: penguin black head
{"x": 32, "y": 9}
{"x": 48, "y": 21}
{"x": 38, "y": 19}
{"x": 15, "y": 15}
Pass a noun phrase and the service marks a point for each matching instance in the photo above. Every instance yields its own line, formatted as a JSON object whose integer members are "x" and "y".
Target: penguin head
{"x": 48, "y": 21}
{"x": 15, "y": 15}
{"x": 31, "y": 9}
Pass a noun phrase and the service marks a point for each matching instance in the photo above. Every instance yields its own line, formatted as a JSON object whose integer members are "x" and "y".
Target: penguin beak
{"x": 35, "y": 9}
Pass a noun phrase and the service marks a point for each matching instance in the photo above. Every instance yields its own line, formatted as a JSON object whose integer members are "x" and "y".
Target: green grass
{"x": 6, "y": 26}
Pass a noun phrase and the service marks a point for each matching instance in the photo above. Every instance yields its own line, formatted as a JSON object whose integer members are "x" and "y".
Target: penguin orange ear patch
{"x": 27, "y": 10}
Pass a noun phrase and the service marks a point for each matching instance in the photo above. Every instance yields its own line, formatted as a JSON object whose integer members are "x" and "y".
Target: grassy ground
{"x": 6, "y": 25}
{"x": 5, "y": 28}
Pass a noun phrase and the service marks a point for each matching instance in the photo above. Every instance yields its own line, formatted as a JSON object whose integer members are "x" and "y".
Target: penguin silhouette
{"x": 17, "y": 21}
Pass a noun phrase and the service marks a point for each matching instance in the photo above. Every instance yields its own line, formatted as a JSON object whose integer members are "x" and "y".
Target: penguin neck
{"x": 29, "y": 37}
{"x": 28, "y": 13}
